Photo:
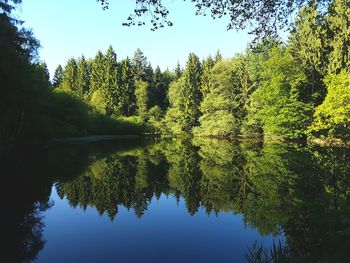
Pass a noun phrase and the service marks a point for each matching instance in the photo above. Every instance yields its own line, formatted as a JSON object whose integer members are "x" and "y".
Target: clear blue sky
{"x": 69, "y": 28}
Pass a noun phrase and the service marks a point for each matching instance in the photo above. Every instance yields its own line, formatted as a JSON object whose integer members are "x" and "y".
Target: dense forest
{"x": 293, "y": 89}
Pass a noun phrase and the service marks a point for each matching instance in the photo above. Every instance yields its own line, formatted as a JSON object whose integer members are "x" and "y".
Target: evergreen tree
{"x": 57, "y": 77}
{"x": 208, "y": 64}
{"x": 178, "y": 71}
{"x": 217, "y": 56}
{"x": 338, "y": 20}
{"x": 97, "y": 74}
{"x": 83, "y": 77}
{"x": 127, "y": 88}
{"x": 142, "y": 98}
{"x": 44, "y": 72}
{"x": 149, "y": 74}
{"x": 139, "y": 64}
{"x": 192, "y": 91}
{"x": 70, "y": 76}
{"x": 111, "y": 82}
{"x": 158, "y": 90}
{"x": 185, "y": 97}
{"x": 167, "y": 78}
{"x": 308, "y": 45}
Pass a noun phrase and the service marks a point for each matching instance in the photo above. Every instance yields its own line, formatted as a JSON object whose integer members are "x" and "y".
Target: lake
{"x": 199, "y": 200}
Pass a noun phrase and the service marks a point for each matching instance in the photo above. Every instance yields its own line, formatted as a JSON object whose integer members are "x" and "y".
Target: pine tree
{"x": 149, "y": 74}
{"x": 217, "y": 56}
{"x": 208, "y": 64}
{"x": 139, "y": 64}
{"x": 70, "y": 76}
{"x": 185, "y": 98}
{"x": 178, "y": 71}
{"x": 111, "y": 82}
{"x": 57, "y": 77}
{"x": 192, "y": 91}
{"x": 45, "y": 72}
{"x": 338, "y": 21}
{"x": 97, "y": 74}
{"x": 127, "y": 88}
{"x": 83, "y": 77}
{"x": 308, "y": 45}
{"x": 142, "y": 98}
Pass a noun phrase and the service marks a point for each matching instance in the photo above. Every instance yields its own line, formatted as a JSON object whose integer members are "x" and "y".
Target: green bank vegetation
{"x": 295, "y": 89}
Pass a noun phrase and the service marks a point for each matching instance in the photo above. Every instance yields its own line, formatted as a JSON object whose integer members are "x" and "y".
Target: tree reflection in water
{"x": 298, "y": 191}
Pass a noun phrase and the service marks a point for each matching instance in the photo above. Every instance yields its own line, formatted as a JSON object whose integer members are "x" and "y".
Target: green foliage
{"x": 178, "y": 71}
{"x": 271, "y": 89}
{"x": 221, "y": 106}
{"x": 155, "y": 119}
{"x": 308, "y": 45}
{"x": 57, "y": 77}
{"x": 185, "y": 97}
{"x": 97, "y": 74}
{"x": 332, "y": 117}
{"x": 142, "y": 98}
{"x": 276, "y": 104}
{"x": 126, "y": 92}
{"x": 208, "y": 64}
{"x": 110, "y": 83}
{"x": 159, "y": 88}
{"x": 338, "y": 22}
{"x": 83, "y": 78}
{"x": 139, "y": 65}
{"x": 69, "y": 77}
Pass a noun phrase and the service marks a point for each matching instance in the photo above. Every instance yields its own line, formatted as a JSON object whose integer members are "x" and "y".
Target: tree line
{"x": 292, "y": 90}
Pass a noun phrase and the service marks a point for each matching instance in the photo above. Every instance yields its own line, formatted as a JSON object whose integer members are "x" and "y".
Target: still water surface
{"x": 178, "y": 201}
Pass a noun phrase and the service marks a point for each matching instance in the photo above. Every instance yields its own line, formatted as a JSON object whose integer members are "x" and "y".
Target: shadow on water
{"x": 300, "y": 192}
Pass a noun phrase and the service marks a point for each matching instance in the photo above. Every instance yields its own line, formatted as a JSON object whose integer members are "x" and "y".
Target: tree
{"x": 338, "y": 21}
{"x": 110, "y": 82}
{"x": 69, "y": 80}
{"x": 159, "y": 88}
{"x": 149, "y": 73}
{"x": 97, "y": 74}
{"x": 83, "y": 77}
{"x": 45, "y": 72}
{"x": 221, "y": 105}
{"x": 217, "y": 56}
{"x": 178, "y": 71}
{"x": 208, "y": 64}
{"x": 308, "y": 46}
{"x": 332, "y": 117}
{"x": 57, "y": 77}
{"x": 139, "y": 65}
{"x": 185, "y": 97}
{"x": 175, "y": 117}
{"x": 191, "y": 92}
{"x": 276, "y": 104}
{"x": 142, "y": 98}
{"x": 155, "y": 115}
{"x": 127, "y": 88}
